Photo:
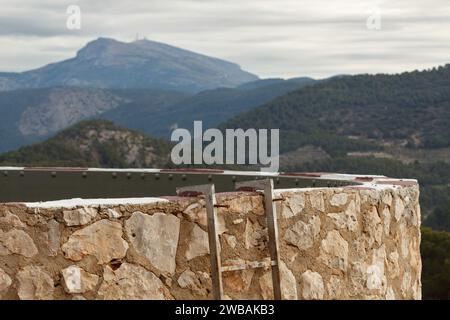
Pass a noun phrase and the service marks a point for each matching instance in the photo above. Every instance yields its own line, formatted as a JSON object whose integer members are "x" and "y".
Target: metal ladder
{"x": 208, "y": 190}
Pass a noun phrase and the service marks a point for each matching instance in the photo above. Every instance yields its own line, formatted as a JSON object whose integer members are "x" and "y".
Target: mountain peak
{"x": 109, "y": 63}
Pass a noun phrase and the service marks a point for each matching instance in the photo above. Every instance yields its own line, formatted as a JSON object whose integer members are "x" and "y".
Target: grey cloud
{"x": 268, "y": 37}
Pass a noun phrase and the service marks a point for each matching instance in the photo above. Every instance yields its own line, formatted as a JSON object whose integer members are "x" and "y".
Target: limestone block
{"x": 334, "y": 251}
{"x": 302, "y": 234}
{"x": 198, "y": 244}
{"x": 77, "y": 280}
{"x": 18, "y": 242}
{"x": 5, "y": 282}
{"x": 155, "y": 238}
{"x": 339, "y": 199}
{"x": 311, "y": 285}
{"x": 34, "y": 283}
{"x": 131, "y": 282}
{"x": 293, "y": 205}
{"x": 288, "y": 284}
{"x": 102, "y": 239}
{"x": 79, "y": 217}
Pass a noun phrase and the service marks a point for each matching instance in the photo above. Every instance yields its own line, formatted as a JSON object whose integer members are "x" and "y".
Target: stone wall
{"x": 358, "y": 242}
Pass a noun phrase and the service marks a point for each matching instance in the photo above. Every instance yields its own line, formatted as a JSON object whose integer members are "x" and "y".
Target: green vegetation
{"x": 413, "y": 106}
{"x": 435, "y": 252}
{"x": 96, "y": 143}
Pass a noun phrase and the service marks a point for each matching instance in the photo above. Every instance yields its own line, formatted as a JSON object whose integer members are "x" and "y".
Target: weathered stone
{"x": 244, "y": 205}
{"x": 254, "y": 235}
{"x": 317, "y": 201}
{"x": 19, "y": 242}
{"x": 346, "y": 220}
{"x": 198, "y": 244}
{"x": 339, "y": 199}
{"x": 415, "y": 259}
{"x": 386, "y": 220}
{"x": 288, "y": 284}
{"x": 78, "y": 297}
{"x": 334, "y": 251}
{"x": 393, "y": 266}
{"x": 390, "y": 294}
{"x": 372, "y": 224}
{"x": 293, "y": 205}
{"x": 34, "y": 284}
{"x": 374, "y": 277}
{"x": 102, "y": 239}
{"x": 399, "y": 208}
{"x": 386, "y": 198}
{"x": 155, "y": 238}
{"x": 131, "y": 282}
{"x": 196, "y": 212}
{"x": 404, "y": 240}
{"x": 238, "y": 221}
{"x": 406, "y": 284}
{"x": 369, "y": 196}
{"x": 12, "y": 220}
{"x": 302, "y": 234}
{"x": 76, "y": 280}
{"x": 79, "y": 217}
{"x": 335, "y": 288}
{"x": 5, "y": 282}
{"x": 311, "y": 285}
{"x": 113, "y": 214}
{"x": 189, "y": 280}
{"x": 3, "y": 250}
{"x": 53, "y": 236}
{"x": 358, "y": 278}
{"x": 230, "y": 240}
{"x": 237, "y": 281}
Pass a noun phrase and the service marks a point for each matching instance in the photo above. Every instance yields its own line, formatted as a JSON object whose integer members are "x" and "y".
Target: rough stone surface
{"x": 302, "y": 234}
{"x": 361, "y": 245}
{"x": 19, "y": 242}
{"x": 12, "y": 220}
{"x": 293, "y": 205}
{"x": 102, "y": 239}
{"x": 189, "y": 280}
{"x": 230, "y": 240}
{"x": 155, "y": 237}
{"x": 79, "y": 217}
{"x": 237, "y": 281}
{"x": 254, "y": 235}
{"x": 312, "y": 285}
{"x": 54, "y": 237}
{"x": 113, "y": 214}
{"x": 339, "y": 199}
{"x": 76, "y": 280}
{"x": 198, "y": 244}
{"x": 288, "y": 284}
{"x": 131, "y": 282}
{"x": 346, "y": 220}
{"x": 317, "y": 201}
{"x": 334, "y": 251}
{"x": 5, "y": 281}
{"x": 34, "y": 283}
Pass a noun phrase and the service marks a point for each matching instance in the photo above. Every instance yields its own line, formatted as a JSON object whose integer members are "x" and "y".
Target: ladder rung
{"x": 249, "y": 265}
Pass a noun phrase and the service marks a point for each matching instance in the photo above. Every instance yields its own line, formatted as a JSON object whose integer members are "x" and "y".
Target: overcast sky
{"x": 271, "y": 38}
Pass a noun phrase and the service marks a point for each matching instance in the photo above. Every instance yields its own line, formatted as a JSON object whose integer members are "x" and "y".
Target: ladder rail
{"x": 208, "y": 190}
{"x": 272, "y": 222}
